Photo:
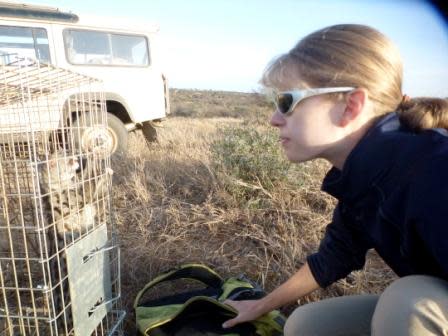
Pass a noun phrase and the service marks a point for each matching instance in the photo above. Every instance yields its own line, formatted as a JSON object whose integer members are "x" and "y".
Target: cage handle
{"x": 100, "y": 304}
{"x": 96, "y": 251}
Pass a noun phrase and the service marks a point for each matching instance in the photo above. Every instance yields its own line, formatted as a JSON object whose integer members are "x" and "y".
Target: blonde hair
{"x": 357, "y": 56}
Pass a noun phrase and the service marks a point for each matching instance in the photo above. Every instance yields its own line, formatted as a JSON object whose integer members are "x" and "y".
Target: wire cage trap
{"x": 59, "y": 258}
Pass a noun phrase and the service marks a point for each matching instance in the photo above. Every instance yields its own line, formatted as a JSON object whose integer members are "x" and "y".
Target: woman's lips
{"x": 284, "y": 140}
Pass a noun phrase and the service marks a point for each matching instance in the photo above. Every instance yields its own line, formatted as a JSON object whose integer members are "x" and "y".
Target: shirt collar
{"x": 365, "y": 163}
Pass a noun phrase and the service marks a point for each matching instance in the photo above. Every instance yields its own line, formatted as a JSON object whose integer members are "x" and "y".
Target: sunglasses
{"x": 288, "y": 100}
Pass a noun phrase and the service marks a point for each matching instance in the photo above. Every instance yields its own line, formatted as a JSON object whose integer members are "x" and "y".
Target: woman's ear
{"x": 355, "y": 101}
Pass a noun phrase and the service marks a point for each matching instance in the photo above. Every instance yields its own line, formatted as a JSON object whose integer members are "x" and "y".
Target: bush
{"x": 249, "y": 161}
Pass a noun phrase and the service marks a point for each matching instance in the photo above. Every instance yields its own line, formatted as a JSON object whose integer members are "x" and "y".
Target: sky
{"x": 226, "y": 44}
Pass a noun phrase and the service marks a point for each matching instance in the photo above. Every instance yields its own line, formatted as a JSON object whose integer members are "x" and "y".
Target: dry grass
{"x": 170, "y": 206}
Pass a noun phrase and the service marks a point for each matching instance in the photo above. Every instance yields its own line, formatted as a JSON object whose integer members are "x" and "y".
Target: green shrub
{"x": 250, "y": 161}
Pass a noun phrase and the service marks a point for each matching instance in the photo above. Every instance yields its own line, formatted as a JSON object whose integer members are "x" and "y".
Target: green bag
{"x": 202, "y": 312}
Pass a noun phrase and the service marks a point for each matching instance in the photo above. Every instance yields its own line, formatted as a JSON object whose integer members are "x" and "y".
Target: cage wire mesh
{"x": 59, "y": 259}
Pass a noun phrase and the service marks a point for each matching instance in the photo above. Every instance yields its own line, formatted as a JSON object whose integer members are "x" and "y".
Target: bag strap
{"x": 235, "y": 287}
{"x": 197, "y": 272}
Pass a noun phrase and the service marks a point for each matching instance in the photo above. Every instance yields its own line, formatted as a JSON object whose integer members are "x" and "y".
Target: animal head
{"x": 60, "y": 171}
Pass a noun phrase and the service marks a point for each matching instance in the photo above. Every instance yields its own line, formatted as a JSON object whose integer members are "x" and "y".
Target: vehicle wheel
{"x": 96, "y": 138}
{"x": 118, "y": 133}
{"x": 149, "y": 132}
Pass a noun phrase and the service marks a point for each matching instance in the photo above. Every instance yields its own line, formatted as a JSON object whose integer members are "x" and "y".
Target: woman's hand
{"x": 301, "y": 283}
{"x": 248, "y": 310}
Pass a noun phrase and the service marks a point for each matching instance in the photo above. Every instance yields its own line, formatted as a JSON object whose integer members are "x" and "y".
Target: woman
{"x": 338, "y": 97}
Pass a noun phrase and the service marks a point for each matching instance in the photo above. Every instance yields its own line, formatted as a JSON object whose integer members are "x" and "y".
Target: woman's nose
{"x": 277, "y": 119}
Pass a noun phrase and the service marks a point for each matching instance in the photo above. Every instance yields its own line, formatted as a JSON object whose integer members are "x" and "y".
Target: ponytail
{"x": 423, "y": 113}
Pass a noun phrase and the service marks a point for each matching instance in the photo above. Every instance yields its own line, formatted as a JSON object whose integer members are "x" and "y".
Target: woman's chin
{"x": 298, "y": 157}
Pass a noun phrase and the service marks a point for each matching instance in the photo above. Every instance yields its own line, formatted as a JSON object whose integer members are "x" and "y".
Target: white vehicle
{"x": 121, "y": 54}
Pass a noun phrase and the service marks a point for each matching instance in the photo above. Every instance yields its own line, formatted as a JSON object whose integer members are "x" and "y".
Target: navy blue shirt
{"x": 393, "y": 197}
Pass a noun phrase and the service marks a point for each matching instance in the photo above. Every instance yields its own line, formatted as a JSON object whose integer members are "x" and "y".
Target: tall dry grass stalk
{"x": 171, "y": 207}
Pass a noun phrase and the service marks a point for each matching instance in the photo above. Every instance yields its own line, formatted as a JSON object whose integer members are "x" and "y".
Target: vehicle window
{"x": 25, "y": 42}
{"x": 92, "y": 47}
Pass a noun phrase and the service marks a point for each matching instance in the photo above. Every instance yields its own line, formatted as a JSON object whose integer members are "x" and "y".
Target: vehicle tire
{"x": 149, "y": 132}
{"x": 109, "y": 140}
{"x": 118, "y": 132}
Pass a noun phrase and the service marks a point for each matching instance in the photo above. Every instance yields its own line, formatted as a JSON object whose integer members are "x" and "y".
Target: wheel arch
{"x": 118, "y": 109}
{"x": 115, "y": 105}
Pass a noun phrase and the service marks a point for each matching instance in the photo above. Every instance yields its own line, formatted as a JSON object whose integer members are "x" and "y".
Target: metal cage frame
{"x": 59, "y": 254}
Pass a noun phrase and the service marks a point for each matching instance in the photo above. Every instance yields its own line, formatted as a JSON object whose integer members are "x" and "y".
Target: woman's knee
{"x": 300, "y": 322}
{"x": 347, "y": 315}
{"x": 412, "y": 305}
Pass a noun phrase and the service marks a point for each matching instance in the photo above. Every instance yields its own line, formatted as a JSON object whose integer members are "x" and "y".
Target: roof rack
{"x": 35, "y": 12}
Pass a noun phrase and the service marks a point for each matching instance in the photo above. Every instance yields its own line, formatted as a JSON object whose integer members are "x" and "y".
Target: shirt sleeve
{"x": 342, "y": 250}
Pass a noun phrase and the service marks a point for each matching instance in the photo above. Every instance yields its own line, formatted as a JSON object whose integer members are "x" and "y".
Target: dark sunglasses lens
{"x": 284, "y": 102}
